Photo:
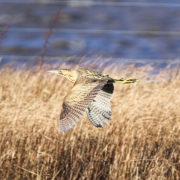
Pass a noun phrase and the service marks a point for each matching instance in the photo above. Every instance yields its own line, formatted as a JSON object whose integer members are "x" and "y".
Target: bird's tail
{"x": 125, "y": 81}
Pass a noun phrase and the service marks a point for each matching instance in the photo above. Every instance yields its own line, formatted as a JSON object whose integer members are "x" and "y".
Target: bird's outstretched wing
{"x": 77, "y": 101}
{"x": 99, "y": 110}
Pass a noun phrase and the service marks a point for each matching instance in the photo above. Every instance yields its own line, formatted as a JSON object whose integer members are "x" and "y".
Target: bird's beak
{"x": 54, "y": 72}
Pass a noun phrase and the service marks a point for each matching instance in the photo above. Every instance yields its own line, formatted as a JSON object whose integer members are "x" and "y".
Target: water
{"x": 120, "y": 33}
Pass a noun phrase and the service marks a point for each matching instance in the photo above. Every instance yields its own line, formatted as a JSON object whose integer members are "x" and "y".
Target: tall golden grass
{"x": 141, "y": 142}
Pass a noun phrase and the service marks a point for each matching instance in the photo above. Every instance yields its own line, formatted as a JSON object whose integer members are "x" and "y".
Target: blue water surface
{"x": 135, "y": 33}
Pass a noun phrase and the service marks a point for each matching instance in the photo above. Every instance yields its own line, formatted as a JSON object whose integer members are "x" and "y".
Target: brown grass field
{"x": 141, "y": 142}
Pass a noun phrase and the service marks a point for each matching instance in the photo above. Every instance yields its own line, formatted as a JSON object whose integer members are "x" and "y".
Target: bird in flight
{"x": 91, "y": 93}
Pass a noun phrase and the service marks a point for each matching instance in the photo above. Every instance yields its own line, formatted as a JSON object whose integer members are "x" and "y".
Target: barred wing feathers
{"x": 99, "y": 110}
{"x": 77, "y": 101}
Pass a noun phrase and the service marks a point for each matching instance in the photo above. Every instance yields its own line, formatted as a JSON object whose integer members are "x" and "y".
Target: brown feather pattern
{"x": 77, "y": 101}
{"x": 99, "y": 110}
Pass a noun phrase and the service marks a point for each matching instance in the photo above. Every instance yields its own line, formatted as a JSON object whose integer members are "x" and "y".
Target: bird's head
{"x": 72, "y": 75}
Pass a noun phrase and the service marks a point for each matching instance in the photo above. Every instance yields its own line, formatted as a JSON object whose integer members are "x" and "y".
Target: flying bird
{"x": 91, "y": 93}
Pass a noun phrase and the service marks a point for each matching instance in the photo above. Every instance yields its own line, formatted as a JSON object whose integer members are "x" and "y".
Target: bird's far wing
{"x": 77, "y": 101}
{"x": 99, "y": 110}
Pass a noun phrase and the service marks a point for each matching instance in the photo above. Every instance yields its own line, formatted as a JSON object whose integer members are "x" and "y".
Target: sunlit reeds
{"x": 142, "y": 140}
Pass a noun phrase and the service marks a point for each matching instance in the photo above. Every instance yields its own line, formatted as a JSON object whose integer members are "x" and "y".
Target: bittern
{"x": 91, "y": 93}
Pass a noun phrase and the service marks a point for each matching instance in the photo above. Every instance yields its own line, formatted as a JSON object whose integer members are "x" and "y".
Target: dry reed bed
{"x": 142, "y": 140}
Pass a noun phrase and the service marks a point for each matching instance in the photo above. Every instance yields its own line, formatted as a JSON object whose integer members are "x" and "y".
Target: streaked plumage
{"x": 99, "y": 110}
{"x": 91, "y": 93}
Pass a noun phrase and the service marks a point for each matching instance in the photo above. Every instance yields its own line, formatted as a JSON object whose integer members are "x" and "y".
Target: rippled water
{"x": 122, "y": 33}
